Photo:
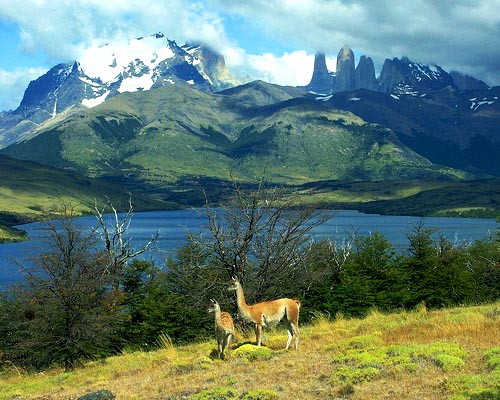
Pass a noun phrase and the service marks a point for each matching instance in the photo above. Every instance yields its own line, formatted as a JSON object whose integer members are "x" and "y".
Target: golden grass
{"x": 417, "y": 354}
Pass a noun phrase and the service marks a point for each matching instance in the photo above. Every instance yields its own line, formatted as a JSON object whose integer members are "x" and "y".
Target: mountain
{"x": 398, "y": 76}
{"x": 460, "y": 129}
{"x": 405, "y": 76}
{"x": 196, "y": 125}
{"x": 103, "y": 72}
{"x": 155, "y": 140}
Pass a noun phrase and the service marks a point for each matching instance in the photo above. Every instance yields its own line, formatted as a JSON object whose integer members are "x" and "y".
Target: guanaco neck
{"x": 242, "y": 304}
{"x": 217, "y": 316}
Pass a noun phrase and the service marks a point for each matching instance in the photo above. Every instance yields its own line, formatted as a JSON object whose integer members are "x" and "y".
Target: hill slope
{"x": 451, "y": 353}
{"x": 28, "y": 190}
{"x": 175, "y": 134}
{"x": 460, "y": 129}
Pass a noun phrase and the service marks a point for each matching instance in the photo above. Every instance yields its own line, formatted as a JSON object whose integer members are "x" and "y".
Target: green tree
{"x": 439, "y": 270}
{"x": 66, "y": 301}
{"x": 325, "y": 263}
{"x": 484, "y": 263}
{"x": 169, "y": 303}
{"x": 373, "y": 276}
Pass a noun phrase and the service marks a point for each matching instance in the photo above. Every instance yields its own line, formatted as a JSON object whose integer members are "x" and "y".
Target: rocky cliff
{"x": 322, "y": 79}
{"x": 344, "y": 79}
{"x": 364, "y": 75}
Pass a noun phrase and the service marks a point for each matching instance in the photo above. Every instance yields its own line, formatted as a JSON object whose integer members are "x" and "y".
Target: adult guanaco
{"x": 224, "y": 329}
{"x": 267, "y": 312}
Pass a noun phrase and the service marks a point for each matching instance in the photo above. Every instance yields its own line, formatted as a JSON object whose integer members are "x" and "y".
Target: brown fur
{"x": 224, "y": 329}
{"x": 271, "y": 311}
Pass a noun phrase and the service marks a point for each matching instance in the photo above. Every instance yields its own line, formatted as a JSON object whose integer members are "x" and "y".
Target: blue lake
{"x": 175, "y": 225}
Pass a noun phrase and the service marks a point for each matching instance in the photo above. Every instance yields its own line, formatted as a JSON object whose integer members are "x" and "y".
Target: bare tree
{"x": 117, "y": 245}
{"x": 259, "y": 237}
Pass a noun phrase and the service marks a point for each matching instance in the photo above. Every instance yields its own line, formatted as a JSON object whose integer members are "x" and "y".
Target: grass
{"x": 29, "y": 191}
{"x": 429, "y": 197}
{"x": 452, "y": 353}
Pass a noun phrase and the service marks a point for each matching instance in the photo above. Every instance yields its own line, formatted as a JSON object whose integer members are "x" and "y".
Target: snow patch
{"x": 135, "y": 83}
{"x": 324, "y": 98}
{"x": 95, "y": 102}
{"x": 475, "y": 103}
{"x": 106, "y": 63}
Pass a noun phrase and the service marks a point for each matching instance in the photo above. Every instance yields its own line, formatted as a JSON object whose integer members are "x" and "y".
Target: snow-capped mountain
{"x": 128, "y": 66}
{"x": 103, "y": 72}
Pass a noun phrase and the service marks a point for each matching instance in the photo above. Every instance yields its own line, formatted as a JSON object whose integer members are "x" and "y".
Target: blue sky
{"x": 273, "y": 40}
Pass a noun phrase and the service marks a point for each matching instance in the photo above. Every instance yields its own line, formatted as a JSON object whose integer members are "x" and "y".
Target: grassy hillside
{"x": 421, "y": 354}
{"x": 478, "y": 198}
{"x": 163, "y": 136}
{"x": 29, "y": 190}
{"x": 447, "y": 127}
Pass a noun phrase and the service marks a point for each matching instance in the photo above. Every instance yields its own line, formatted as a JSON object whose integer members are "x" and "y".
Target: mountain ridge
{"x": 176, "y": 132}
{"x": 103, "y": 72}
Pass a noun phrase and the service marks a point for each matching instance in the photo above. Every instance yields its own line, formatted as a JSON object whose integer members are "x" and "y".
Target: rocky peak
{"x": 405, "y": 76}
{"x": 212, "y": 67}
{"x": 345, "y": 79}
{"x": 364, "y": 75}
{"x": 322, "y": 79}
{"x": 467, "y": 82}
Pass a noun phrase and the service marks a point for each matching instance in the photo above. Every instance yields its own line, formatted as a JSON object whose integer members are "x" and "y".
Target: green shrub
{"x": 251, "y": 352}
{"x": 448, "y": 363}
{"x": 348, "y": 375}
{"x": 216, "y": 393}
{"x": 492, "y": 357}
{"x": 261, "y": 394}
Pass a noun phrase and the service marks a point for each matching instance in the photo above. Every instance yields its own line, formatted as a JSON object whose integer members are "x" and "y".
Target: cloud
{"x": 456, "y": 34}
{"x": 62, "y": 28}
{"x": 294, "y": 68}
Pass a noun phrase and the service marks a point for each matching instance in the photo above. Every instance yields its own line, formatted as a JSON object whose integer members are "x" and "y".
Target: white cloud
{"x": 293, "y": 69}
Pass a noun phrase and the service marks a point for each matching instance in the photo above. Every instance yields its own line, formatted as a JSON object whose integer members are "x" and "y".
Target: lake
{"x": 175, "y": 225}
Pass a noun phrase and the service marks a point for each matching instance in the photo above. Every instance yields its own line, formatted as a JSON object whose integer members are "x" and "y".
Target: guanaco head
{"x": 234, "y": 284}
{"x": 214, "y": 306}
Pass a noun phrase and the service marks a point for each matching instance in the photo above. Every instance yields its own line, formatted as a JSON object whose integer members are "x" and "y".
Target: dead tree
{"x": 114, "y": 236}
